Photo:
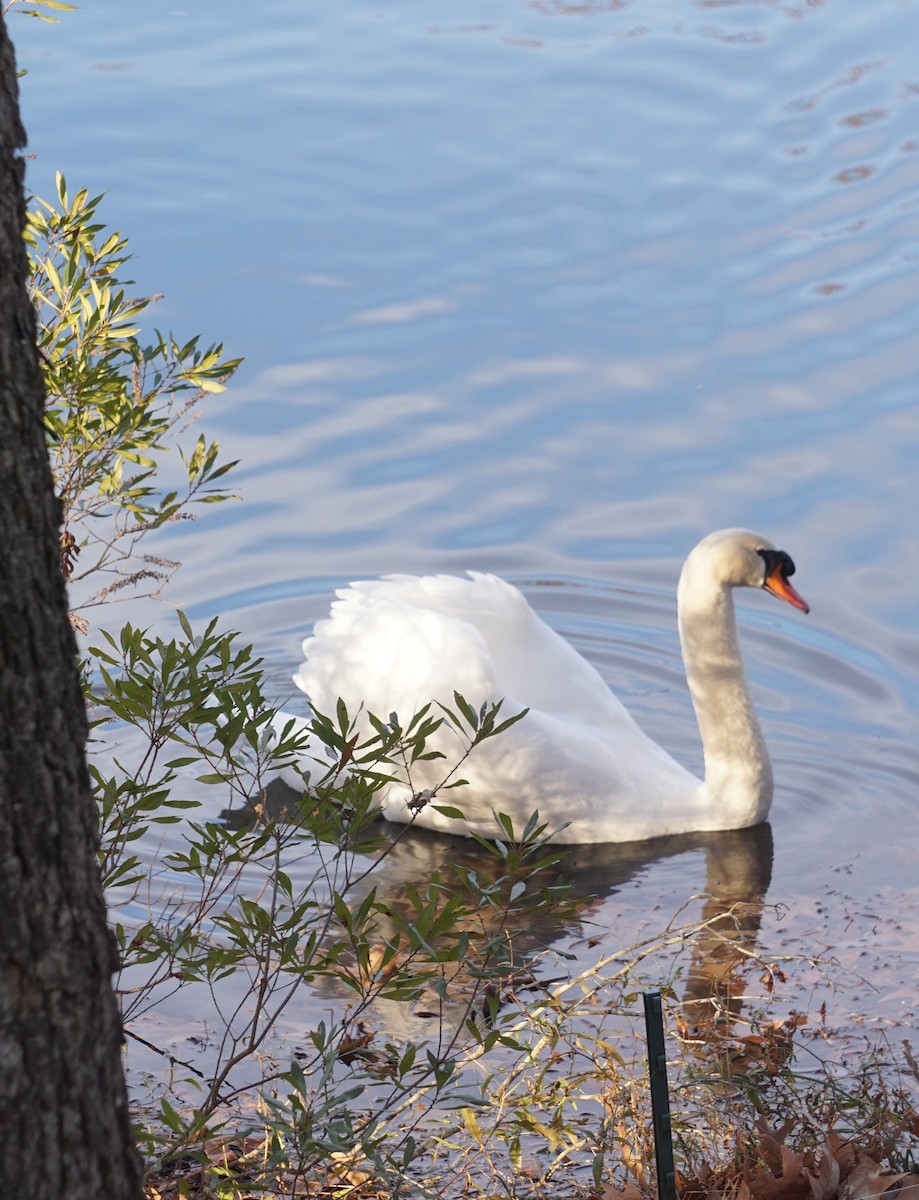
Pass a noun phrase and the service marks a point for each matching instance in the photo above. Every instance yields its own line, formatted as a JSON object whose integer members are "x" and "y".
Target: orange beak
{"x": 778, "y": 585}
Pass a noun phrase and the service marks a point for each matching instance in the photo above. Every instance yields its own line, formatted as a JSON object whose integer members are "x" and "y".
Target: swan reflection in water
{"x": 732, "y": 879}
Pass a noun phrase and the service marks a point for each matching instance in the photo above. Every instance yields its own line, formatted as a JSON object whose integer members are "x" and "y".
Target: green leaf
{"x": 467, "y": 710}
{"x": 447, "y": 810}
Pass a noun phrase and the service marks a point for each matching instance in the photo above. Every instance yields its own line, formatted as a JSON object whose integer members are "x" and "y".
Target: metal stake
{"x": 660, "y": 1097}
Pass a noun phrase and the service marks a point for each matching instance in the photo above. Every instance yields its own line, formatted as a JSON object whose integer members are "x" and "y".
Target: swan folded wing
{"x": 401, "y": 641}
{"x": 384, "y": 648}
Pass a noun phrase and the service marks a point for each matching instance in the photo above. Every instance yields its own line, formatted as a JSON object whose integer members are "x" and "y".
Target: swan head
{"x": 742, "y": 558}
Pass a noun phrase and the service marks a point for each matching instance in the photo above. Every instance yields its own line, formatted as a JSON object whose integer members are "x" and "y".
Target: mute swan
{"x": 577, "y": 757}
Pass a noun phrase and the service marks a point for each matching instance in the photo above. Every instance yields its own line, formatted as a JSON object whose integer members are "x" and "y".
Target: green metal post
{"x": 660, "y": 1097}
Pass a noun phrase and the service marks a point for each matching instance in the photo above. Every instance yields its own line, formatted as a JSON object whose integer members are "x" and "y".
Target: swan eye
{"x": 777, "y": 559}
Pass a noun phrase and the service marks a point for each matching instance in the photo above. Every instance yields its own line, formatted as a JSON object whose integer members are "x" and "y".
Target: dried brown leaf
{"x": 764, "y": 1185}
{"x": 906, "y": 1191}
{"x": 843, "y": 1151}
{"x": 823, "y": 1176}
{"x": 869, "y": 1179}
{"x": 784, "y": 1173}
{"x": 629, "y": 1191}
{"x": 344, "y": 1168}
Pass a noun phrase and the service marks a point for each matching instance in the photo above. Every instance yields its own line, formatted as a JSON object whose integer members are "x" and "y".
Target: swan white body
{"x": 577, "y": 757}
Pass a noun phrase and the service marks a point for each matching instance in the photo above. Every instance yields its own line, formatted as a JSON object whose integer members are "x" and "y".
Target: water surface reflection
{"x": 729, "y": 872}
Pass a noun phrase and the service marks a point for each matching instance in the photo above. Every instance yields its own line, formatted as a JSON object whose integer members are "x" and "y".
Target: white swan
{"x": 577, "y": 757}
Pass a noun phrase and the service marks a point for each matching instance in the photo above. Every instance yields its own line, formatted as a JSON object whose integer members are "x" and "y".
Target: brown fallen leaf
{"x": 843, "y": 1151}
{"x": 823, "y": 1176}
{"x": 869, "y": 1179}
{"x": 629, "y": 1191}
{"x": 764, "y": 1185}
{"x": 343, "y": 1167}
{"x": 783, "y": 1175}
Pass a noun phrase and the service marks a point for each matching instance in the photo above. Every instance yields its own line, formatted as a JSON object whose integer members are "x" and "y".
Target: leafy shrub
{"x": 115, "y": 406}
{"x": 285, "y": 898}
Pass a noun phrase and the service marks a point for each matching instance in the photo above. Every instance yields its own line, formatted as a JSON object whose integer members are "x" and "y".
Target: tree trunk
{"x": 64, "y": 1127}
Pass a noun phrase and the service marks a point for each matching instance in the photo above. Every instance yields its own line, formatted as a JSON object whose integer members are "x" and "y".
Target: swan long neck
{"x": 738, "y": 773}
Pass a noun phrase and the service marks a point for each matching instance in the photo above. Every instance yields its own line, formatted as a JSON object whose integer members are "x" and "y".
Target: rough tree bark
{"x": 64, "y": 1127}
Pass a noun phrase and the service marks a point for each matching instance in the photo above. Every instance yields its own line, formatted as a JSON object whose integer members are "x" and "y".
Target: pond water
{"x": 552, "y": 289}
